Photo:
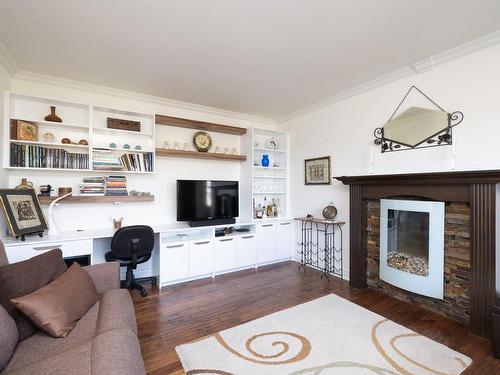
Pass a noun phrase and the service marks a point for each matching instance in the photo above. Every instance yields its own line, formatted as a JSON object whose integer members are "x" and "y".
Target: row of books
{"x": 104, "y": 159}
{"x": 116, "y": 185}
{"x": 99, "y": 186}
{"x": 142, "y": 162}
{"x": 43, "y": 157}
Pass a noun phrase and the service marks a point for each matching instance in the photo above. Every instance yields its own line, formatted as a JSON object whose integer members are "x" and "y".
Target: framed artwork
{"x": 22, "y": 211}
{"x": 24, "y": 131}
{"x": 317, "y": 171}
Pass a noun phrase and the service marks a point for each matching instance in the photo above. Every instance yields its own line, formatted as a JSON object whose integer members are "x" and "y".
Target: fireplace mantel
{"x": 477, "y": 188}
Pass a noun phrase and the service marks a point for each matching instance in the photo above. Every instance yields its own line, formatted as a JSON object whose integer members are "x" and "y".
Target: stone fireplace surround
{"x": 472, "y": 191}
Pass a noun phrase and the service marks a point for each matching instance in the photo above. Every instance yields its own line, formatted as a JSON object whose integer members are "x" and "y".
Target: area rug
{"x": 329, "y": 335}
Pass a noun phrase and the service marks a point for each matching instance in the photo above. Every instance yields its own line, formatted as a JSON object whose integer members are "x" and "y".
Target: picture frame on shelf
{"x": 23, "y": 131}
{"x": 317, "y": 171}
{"x": 23, "y": 212}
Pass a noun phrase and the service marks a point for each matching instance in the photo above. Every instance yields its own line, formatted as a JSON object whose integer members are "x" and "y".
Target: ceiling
{"x": 261, "y": 57}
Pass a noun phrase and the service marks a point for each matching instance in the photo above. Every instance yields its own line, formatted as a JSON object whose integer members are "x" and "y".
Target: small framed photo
{"x": 22, "y": 211}
{"x": 317, "y": 171}
{"x": 24, "y": 131}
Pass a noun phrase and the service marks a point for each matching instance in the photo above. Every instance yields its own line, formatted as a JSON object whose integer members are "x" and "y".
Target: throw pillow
{"x": 58, "y": 306}
{"x": 19, "y": 279}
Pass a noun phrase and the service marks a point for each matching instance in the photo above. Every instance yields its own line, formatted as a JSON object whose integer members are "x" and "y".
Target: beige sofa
{"x": 104, "y": 341}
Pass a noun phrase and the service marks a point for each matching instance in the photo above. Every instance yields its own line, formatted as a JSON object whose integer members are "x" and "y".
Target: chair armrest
{"x": 106, "y": 276}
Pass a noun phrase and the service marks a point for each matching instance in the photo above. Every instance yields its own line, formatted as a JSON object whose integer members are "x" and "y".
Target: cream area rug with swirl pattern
{"x": 326, "y": 336}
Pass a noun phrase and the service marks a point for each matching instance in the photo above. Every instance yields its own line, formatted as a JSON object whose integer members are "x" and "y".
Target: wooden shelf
{"x": 199, "y": 125}
{"x": 199, "y": 155}
{"x": 99, "y": 199}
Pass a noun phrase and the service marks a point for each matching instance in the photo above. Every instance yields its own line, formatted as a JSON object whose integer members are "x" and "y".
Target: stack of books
{"x": 105, "y": 160}
{"x": 141, "y": 162}
{"x": 116, "y": 185}
{"x": 43, "y": 157}
{"x": 92, "y": 186}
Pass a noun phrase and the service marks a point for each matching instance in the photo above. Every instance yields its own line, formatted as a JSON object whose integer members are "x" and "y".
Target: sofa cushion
{"x": 19, "y": 279}
{"x": 116, "y": 311}
{"x": 41, "y": 345}
{"x": 8, "y": 338}
{"x": 117, "y": 352}
{"x": 59, "y": 305}
{"x": 3, "y": 256}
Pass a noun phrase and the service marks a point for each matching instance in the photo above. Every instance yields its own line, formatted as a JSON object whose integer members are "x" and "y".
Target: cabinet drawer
{"x": 225, "y": 254}
{"x": 68, "y": 248}
{"x": 201, "y": 257}
{"x": 247, "y": 250}
{"x": 174, "y": 262}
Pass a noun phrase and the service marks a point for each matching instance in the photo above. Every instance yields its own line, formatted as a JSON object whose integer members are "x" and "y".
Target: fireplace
{"x": 412, "y": 245}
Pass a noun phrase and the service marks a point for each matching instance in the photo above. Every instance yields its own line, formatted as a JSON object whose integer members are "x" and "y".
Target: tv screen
{"x": 204, "y": 200}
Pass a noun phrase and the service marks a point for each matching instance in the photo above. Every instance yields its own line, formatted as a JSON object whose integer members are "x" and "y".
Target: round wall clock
{"x": 202, "y": 141}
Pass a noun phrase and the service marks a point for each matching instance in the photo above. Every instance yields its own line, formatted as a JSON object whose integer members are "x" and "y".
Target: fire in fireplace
{"x": 412, "y": 245}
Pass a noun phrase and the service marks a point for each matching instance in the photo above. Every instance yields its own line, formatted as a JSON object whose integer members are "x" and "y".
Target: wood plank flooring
{"x": 182, "y": 313}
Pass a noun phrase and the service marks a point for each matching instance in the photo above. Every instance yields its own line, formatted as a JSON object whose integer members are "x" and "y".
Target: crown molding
{"x": 461, "y": 50}
{"x": 7, "y": 61}
{"x": 89, "y": 87}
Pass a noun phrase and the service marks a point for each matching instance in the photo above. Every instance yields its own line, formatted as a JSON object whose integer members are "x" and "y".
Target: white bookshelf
{"x": 81, "y": 121}
{"x": 259, "y": 183}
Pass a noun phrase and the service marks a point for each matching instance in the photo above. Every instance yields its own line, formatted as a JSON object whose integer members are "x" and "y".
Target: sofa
{"x": 104, "y": 341}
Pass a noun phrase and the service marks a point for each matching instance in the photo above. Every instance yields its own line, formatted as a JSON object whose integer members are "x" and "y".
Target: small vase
{"x": 53, "y": 117}
{"x": 265, "y": 160}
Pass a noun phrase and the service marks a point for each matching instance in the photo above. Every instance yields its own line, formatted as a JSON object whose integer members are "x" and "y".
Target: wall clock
{"x": 202, "y": 141}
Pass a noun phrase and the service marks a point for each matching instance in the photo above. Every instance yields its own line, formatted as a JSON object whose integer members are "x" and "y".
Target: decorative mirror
{"x": 420, "y": 125}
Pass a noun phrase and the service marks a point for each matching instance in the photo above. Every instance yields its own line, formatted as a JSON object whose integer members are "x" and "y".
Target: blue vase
{"x": 265, "y": 160}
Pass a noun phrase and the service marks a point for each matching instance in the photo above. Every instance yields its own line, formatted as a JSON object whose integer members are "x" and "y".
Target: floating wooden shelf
{"x": 199, "y": 125}
{"x": 99, "y": 199}
{"x": 199, "y": 155}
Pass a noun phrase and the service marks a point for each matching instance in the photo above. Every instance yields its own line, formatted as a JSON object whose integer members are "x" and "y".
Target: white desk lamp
{"x": 52, "y": 225}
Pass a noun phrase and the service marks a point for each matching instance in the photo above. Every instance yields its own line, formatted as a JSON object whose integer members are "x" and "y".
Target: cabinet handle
{"x": 225, "y": 239}
{"x": 174, "y": 246}
{"x": 288, "y": 223}
{"x": 201, "y": 243}
{"x": 267, "y": 225}
{"x": 245, "y": 237}
{"x": 41, "y": 248}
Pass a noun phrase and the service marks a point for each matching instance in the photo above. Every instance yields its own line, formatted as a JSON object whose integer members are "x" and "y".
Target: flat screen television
{"x": 202, "y": 202}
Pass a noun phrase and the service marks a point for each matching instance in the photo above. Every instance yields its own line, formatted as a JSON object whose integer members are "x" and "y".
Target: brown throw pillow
{"x": 58, "y": 306}
{"x": 19, "y": 279}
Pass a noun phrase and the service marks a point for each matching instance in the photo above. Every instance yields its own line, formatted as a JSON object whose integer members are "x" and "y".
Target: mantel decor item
{"x": 22, "y": 211}
{"x": 23, "y": 131}
{"x": 417, "y": 127}
{"x": 120, "y": 124}
{"x": 25, "y": 184}
{"x": 202, "y": 141}
{"x": 265, "y": 161}
{"x": 52, "y": 117}
{"x": 317, "y": 171}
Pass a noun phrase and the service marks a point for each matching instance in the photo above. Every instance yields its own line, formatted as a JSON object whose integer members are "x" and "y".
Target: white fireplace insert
{"x": 412, "y": 245}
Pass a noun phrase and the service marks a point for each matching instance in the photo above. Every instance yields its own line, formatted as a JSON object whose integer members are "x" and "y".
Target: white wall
{"x": 4, "y": 86}
{"x": 168, "y": 170}
{"x": 344, "y": 130}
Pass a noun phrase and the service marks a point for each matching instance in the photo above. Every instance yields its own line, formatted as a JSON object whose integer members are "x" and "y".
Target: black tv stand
{"x": 209, "y": 222}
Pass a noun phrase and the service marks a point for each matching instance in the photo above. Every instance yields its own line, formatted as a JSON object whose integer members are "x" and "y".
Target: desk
{"x": 181, "y": 253}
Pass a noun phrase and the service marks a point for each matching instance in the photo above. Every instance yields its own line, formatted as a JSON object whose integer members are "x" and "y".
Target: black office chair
{"x": 131, "y": 246}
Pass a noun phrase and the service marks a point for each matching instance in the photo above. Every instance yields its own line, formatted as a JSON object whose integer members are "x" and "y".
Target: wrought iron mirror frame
{"x": 443, "y": 137}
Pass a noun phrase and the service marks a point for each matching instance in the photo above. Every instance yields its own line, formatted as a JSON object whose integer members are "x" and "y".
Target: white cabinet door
{"x": 246, "y": 250}
{"x": 174, "y": 262}
{"x": 267, "y": 242}
{"x": 201, "y": 257}
{"x": 284, "y": 236}
{"x": 225, "y": 254}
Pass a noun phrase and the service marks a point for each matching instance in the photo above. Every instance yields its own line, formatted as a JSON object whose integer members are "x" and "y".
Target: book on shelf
{"x": 93, "y": 186}
{"x": 139, "y": 162}
{"x": 105, "y": 159}
{"x": 32, "y": 156}
{"x": 116, "y": 185}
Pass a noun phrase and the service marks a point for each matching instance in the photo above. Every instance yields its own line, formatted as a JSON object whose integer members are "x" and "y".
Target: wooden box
{"x": 23, "y": 130}
{"x": 116, "y": 123}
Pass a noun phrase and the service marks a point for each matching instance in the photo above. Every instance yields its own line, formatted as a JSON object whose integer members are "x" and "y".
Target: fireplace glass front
{"x": 408, "y": 241}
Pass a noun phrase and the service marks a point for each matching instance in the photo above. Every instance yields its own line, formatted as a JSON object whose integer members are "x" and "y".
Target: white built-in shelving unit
{"x": 81, "y": 121}
{"x": 261, "y": 184}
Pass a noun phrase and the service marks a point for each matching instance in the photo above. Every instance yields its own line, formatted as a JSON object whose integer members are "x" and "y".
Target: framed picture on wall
{"x": 23, "y": 212}
{"x": 317, "y": 171}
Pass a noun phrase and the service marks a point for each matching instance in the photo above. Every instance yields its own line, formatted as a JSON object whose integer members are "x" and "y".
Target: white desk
{"x": 181, "y": 252}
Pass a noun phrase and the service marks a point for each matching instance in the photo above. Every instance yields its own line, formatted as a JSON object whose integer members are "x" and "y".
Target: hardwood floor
{"x": 182, "y": 313}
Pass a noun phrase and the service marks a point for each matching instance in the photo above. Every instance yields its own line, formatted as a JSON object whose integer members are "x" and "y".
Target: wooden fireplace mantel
{"x": 478, "y": 188}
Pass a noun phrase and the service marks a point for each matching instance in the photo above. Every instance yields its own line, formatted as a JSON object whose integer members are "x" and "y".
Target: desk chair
{"x": 131, "y": 246}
